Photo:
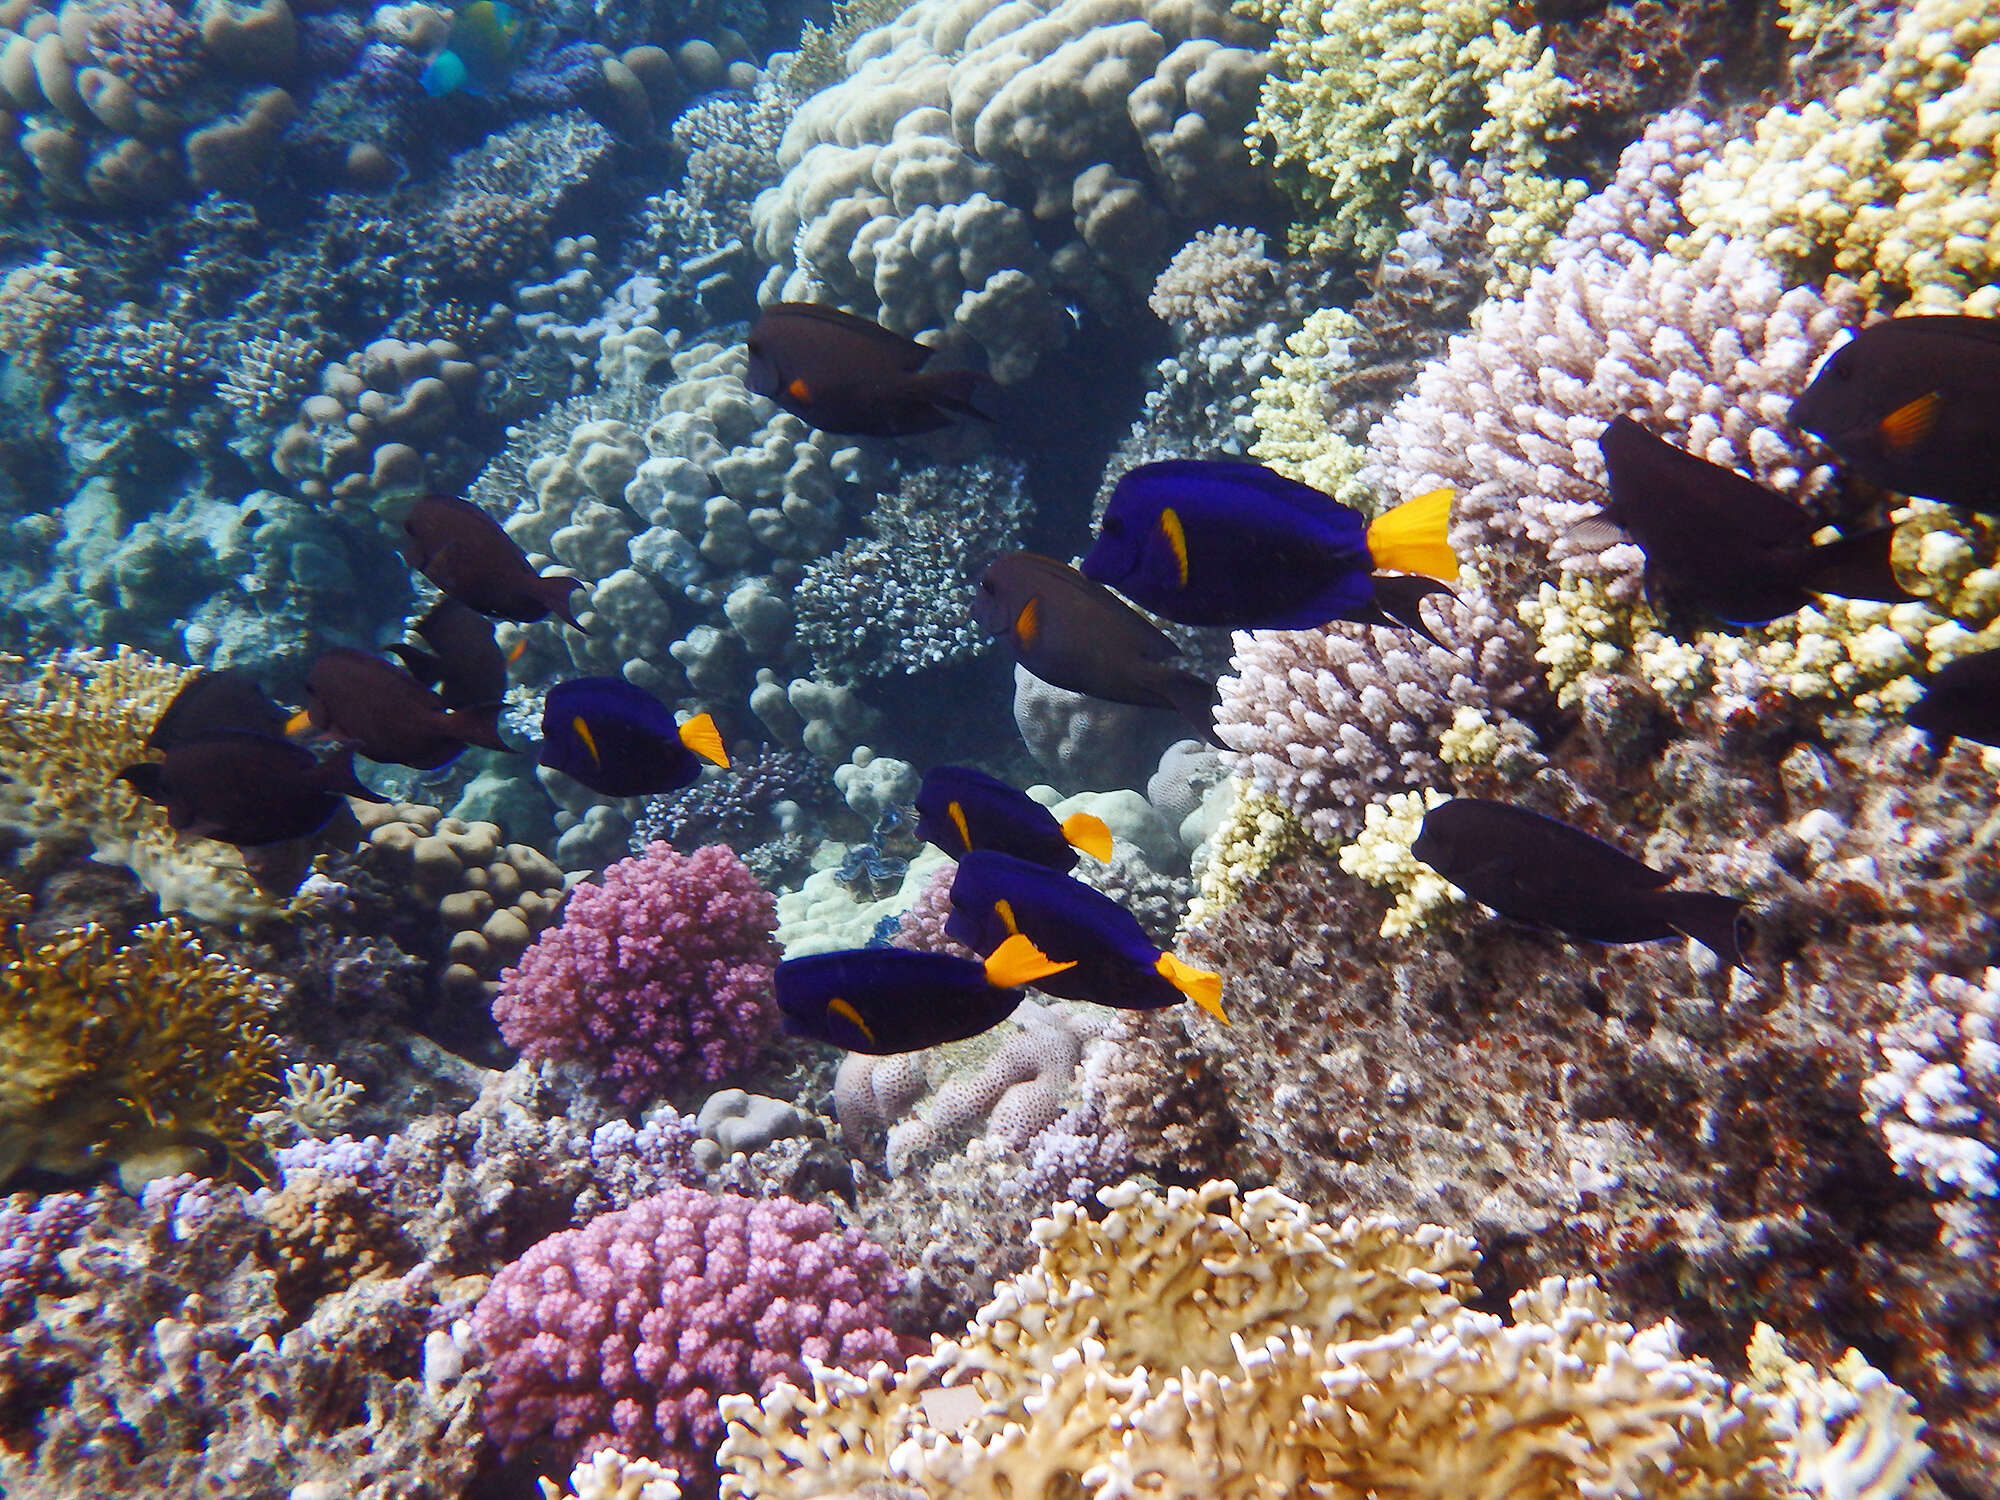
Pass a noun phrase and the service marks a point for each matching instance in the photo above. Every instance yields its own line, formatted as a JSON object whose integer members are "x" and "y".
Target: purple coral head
{"x": 657, "y": 978}
{"x": 624, "y": 1333}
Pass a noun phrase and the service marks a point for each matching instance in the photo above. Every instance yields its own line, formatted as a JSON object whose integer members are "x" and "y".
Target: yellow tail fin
{"x": 700, "y": 735}
{"x": 1411, "y": 538}
{"x": 1203, "y": 986}
{"x": 1088, "y": 834}
{"x": 1018, "y": 961}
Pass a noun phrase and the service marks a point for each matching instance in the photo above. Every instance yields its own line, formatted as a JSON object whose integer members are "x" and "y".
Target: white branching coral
{"x": 610, "y": 1475}
{"x": 1937, "y": 1101}
{"x": 1201, "y": 1345}
{"x": 1381, "y": 856}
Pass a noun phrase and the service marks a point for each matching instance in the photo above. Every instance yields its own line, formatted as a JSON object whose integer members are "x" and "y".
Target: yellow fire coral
{"x": 1201, "y": 1345}
{"x": 64, "y": 736}
{"x": 149, "y": 1056}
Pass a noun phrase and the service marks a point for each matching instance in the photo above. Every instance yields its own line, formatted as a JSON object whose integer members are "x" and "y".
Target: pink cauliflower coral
{"x": 659, "y": 976}
{"x": 625, "y": 1333}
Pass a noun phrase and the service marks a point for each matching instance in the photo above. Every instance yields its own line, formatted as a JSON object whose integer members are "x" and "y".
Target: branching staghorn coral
{"x": 1197, "y": 1344}
{"x": 150, "y": 1056}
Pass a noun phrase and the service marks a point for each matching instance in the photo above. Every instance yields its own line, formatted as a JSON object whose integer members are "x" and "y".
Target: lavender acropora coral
{"x": 659, "y": 976}
{"x": 625, "y": 1333}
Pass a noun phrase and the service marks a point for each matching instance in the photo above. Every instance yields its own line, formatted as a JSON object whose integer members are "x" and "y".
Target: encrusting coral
{"x": 1200, "y": 1345}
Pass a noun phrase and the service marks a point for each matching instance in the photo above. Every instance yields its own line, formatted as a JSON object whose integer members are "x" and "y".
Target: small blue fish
{"x": 1224, "y": 542}
{"x": 994, "y": 896}
{"x": 621, "y": 741}
{"x": 960, "y": 809}
{"x": 478, "y": 54}
{"x": 884, "y": 1000}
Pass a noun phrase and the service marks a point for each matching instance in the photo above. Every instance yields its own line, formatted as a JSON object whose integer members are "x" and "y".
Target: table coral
{"x": 658, "y": 976}
{"x": 145, "y": 1055}
{"x": 624, "y": 1333}
{"x": 1201, "y": 1344}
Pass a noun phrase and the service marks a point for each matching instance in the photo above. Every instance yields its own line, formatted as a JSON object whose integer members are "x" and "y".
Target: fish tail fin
{"x": 1858, "y": 567}
{"x": 1710, "y": 919}
{"x": 1203, "y": 986}
{"x": 336, "y": 774}
{"x": 700, "y": 735}
{"x": 1088, "y": 833}
{"x": 554, "y": 589}
{"x": 478, "y": 726}
{"x": 1412, "y": 537}
{"x": 1399, "y": 595}
{"x": 953, "y": 390}
{"x": 419, "y": 664}
{"x": 1018, "y": 961}
{"x": 1193, "y": 699}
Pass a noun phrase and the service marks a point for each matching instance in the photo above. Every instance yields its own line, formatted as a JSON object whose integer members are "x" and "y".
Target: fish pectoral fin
{"x": 1203, "y": 986}
{"x": 1018, "y": 961}
{"x": 1912, "y": 422}
{"x": 1411, "y": 538}
{"x": 582, "y": 731}
{"x": 1088, "y": 833}
{"x": 1595, "y": 533}
{"x": 700, "y": 735}
{"x": 299, "y": 722}
{"x": 1028, "y": 624}
{"x": 844, "y": 1010}
{"x": 1176, "y": 535}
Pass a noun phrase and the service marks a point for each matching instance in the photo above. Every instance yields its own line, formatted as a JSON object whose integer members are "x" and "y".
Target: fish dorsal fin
{"x": 700, "y": 735}
{"x": 1018, "y": 961}
{"x": 1912, "y": 422}
{"x": 1088, "y": 833}
{"x": 1203, "y": 986}
{"x": 1028, "y": 623}
{"x": 845, "y": 1011}
{"x": 1176, "y": 535}
{"x": 1411, "y": 537}
{"x": 906, "y": 353}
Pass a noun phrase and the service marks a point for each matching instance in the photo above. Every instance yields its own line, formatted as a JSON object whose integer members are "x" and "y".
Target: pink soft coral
{"x": 658, "y": 977}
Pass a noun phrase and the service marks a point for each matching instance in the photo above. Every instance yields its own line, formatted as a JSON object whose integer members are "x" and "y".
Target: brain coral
{"x": 911, "y": 187}
{"x": 623, "y": 1333}
{"x": 659, "y": 976}
{"x": 1200, "y": 1346}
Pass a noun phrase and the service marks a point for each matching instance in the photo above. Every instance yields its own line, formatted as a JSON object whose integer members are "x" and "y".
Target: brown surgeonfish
{"x": 463, "y": 663}
{"x": 1913, "y": 405}
{"x": 1548, "y": 874}
{"x": 845, "y": 374}
{"x": 469, "y": 555}
{"x": 1963, "y": 699}
{"x": 1724, "y": 543}
{"x": 1076, "y": 634}
{"x": 213, "y": 701}
{"x": 386, "y": 714}
{"x": 247, "y": 789}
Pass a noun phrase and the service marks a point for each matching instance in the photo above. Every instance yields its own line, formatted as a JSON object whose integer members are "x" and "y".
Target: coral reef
{"x": 659, "y": 976}
{"x": 625, "y": 1332}
{"x": 1309, "y": 1354}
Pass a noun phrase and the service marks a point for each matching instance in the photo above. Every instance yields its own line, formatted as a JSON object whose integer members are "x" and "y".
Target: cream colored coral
{"x": 1293, "y": 434}
{"x": 1381, "y": 856}
{"x": 1198, "y": 1345}
{"x": 610, "y": 1475}
{"x": 1897, "y": 180}
{"x": 1259, "y": 831}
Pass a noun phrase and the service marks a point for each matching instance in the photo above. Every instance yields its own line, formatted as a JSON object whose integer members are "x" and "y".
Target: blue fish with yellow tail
{"x": 1227, "y": 542}
{"x": 884, "y": 1000}
{"x": 994, "y": 896}
{"x": 621, "y": 741}
{"x": 960, "y": 809}
{"x": 478, "y": 54}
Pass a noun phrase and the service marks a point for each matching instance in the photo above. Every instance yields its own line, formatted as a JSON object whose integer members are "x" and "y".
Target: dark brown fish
{"x": 1913, "y": 404}
{"x": 1724, "y": 543}
{"x": 845, "y": 374}
{"x": 1076, "y": 634}
{"x": 464, "y": 663}
{"x": 247, "y": 789}
{"x": 469, "y": 555}
{"x": 1962, "y": 699}
{"x": 386, "y": 714}
{"x": 213, "y": 701}
{"x": 1548, "y": 874}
